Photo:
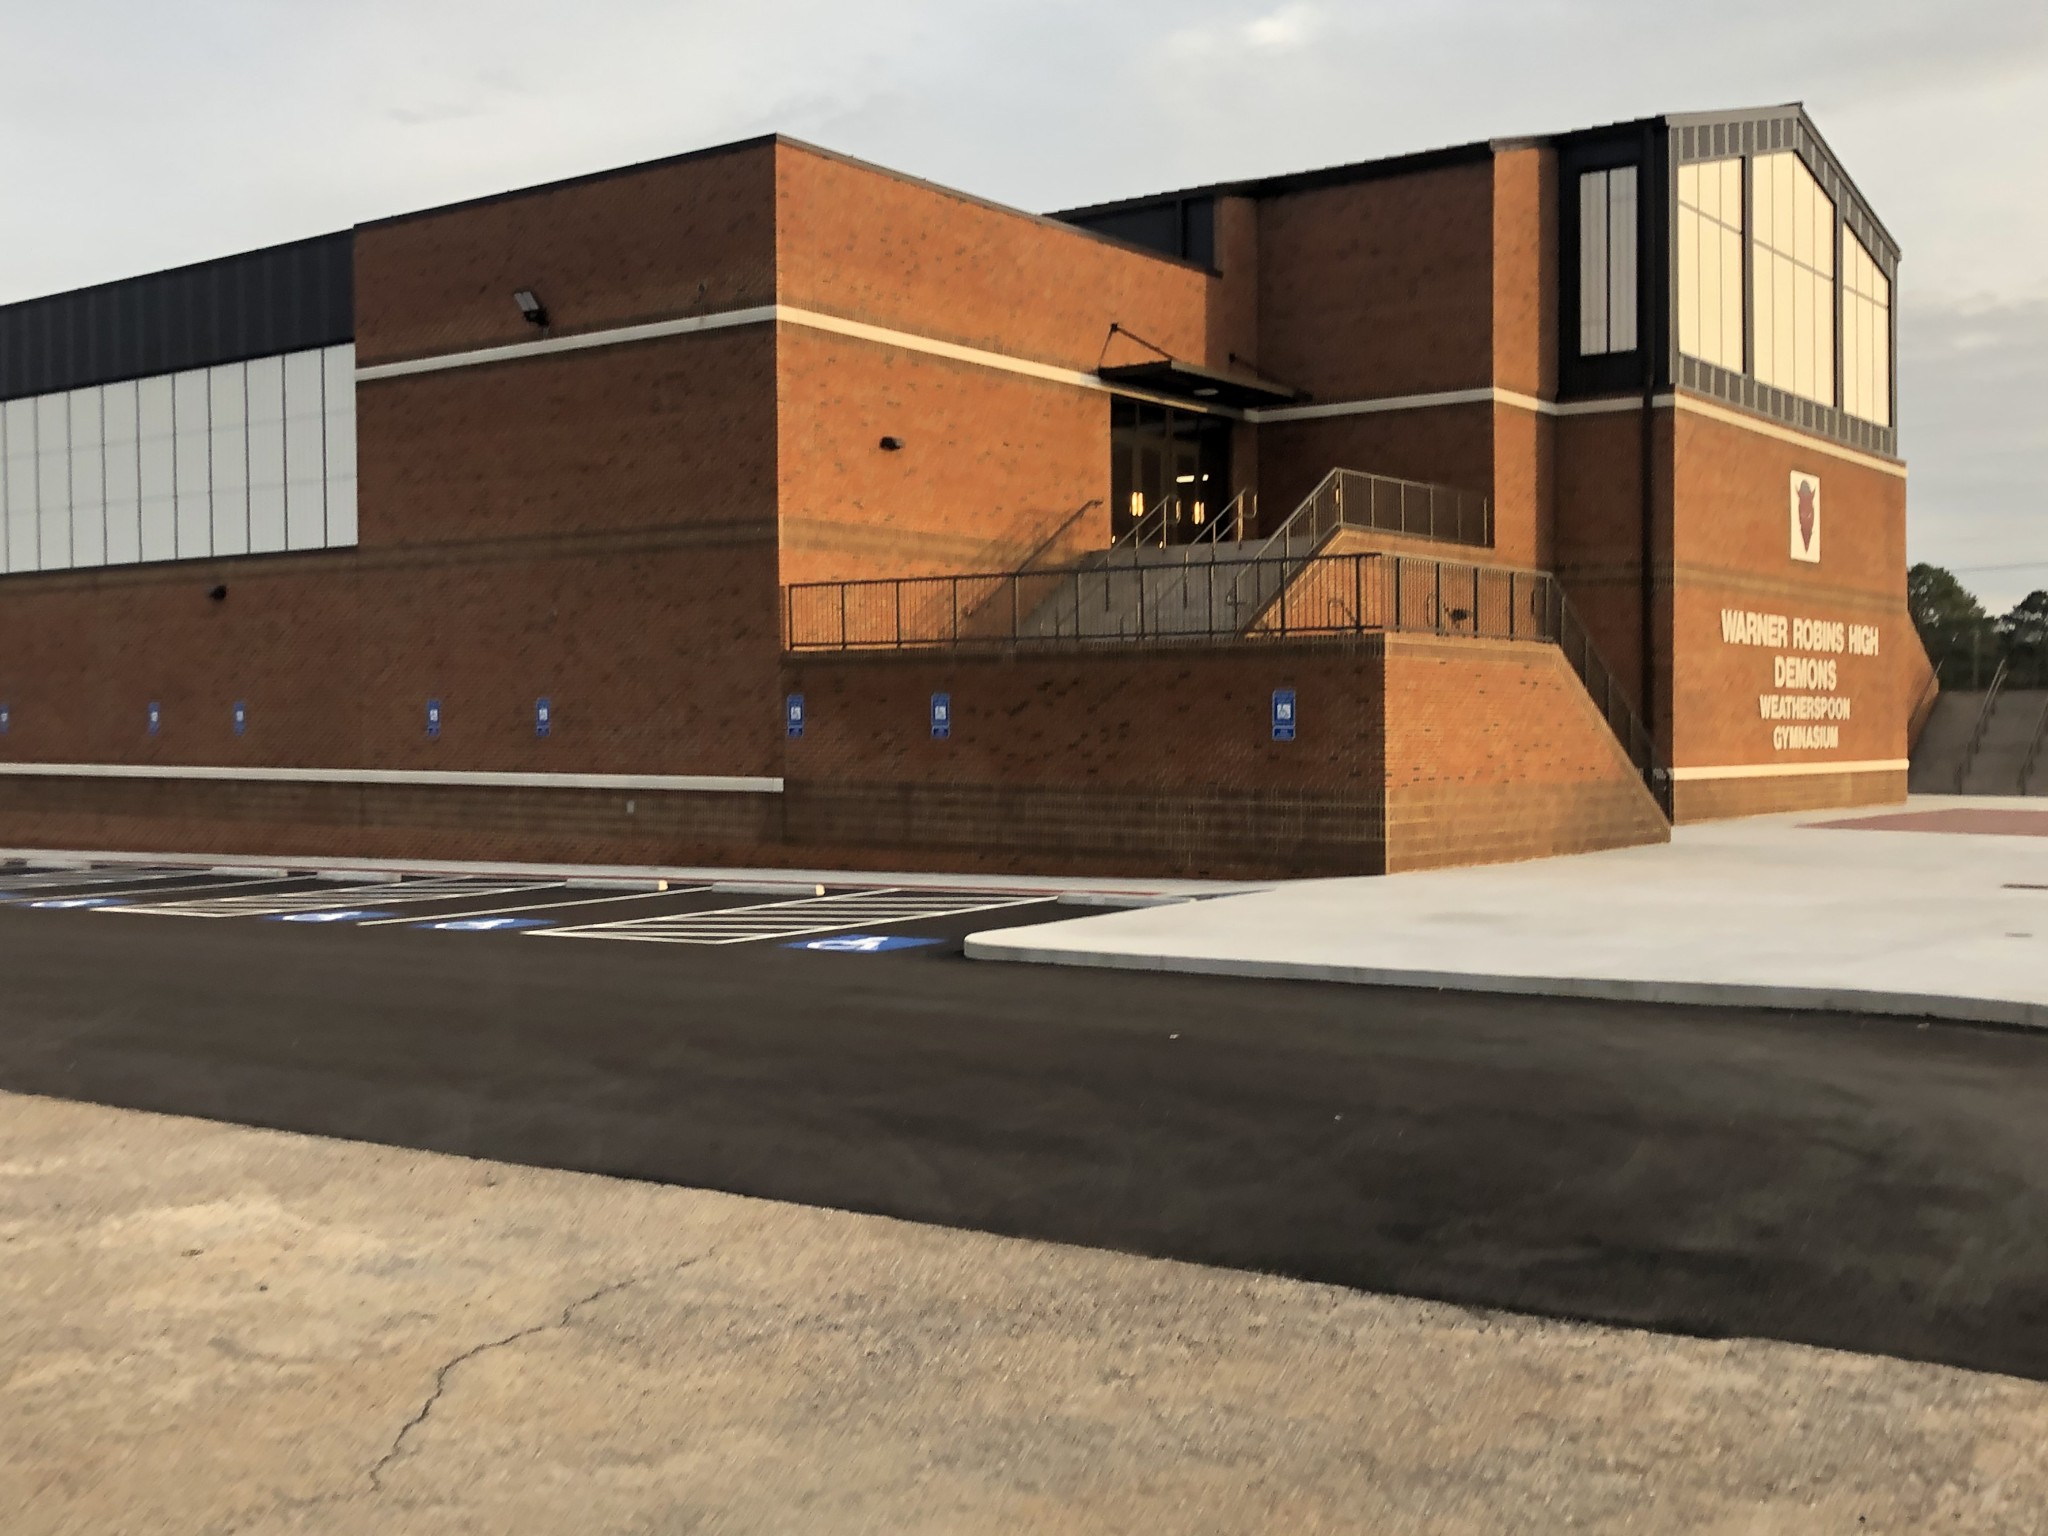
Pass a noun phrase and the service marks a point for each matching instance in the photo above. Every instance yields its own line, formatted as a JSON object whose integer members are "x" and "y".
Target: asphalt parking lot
{"x": 1878, "y": 1185}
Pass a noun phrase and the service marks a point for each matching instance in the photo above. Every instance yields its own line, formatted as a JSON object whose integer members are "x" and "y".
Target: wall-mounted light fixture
{"x": 219, "y": 594}
{"x": 530, "y": 306}
{"x": 892, "y": 445}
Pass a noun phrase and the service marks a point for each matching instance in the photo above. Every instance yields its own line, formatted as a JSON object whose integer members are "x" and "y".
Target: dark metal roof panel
{"x": 287, "y": 298}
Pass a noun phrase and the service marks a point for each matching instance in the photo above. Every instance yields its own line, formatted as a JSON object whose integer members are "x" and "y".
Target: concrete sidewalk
{"x": 1903, "y": 915}
{"x": 207, "y": 1330}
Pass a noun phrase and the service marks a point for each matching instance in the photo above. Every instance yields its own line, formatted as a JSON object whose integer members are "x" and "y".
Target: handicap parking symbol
{"x": 347, "y": 915}
{"x": 862, "y": 943}
{"x": 484, "y": 924}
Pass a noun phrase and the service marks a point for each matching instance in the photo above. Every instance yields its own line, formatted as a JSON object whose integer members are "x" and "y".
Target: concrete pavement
{"x": 1860, "y": 912}
{"x": 208, "y": 1330}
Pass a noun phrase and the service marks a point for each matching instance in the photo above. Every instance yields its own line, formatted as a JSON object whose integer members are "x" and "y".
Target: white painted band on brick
{"x": 693, "y": 783}
{"x": 654, "y": 330}
{"x": 1788, "y": 770}
{"x": 978, "y": 357}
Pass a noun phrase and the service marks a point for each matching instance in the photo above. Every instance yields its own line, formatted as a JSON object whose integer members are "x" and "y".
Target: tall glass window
{"x": 1866, "y": 334}
{"x": 1795, "y": 279}
{"x": 1607, "y": 261}
{"x": 1710, "y": 229}
{"x": 245, "y": 458}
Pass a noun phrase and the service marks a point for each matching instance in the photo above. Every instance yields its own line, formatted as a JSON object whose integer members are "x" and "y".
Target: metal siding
{"x": 290, "y": 298}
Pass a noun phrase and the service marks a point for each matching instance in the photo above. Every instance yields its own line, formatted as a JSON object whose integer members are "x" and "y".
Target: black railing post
{"x": 1016, "y": 616}
{"x": 1358, "y": 592}
{"x": 896, "y": 591}
{"x": 1439, "y": 595}
{"x": 842, "y": 615}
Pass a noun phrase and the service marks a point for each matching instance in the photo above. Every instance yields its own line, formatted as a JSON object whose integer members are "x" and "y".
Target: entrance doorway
{"x": 1168, "y": 468}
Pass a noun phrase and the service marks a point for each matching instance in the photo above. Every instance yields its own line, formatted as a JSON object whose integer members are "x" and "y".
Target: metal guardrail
{"x": 2033, "y": 757}
{"x": 1319, "y": 596}
{"x": 1983, "y": 722}
{"x": 1351, "y": 498}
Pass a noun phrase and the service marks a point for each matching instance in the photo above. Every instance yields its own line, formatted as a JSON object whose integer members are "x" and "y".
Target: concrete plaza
{"x": 1938, "y": 908}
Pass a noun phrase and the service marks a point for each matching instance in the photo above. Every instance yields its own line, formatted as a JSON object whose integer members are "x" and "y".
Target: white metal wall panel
{"x": 123, "y": 470}
{"x": 88, "y": 478}
{"x": 243, "y": 458}
{"x": 228, "y": 411}
{"x": 53, "y": 480}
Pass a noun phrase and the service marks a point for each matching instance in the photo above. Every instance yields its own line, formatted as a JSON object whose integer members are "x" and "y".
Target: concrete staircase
{"x": 1129, "y": 594}
{"x": 1965, "y": 749}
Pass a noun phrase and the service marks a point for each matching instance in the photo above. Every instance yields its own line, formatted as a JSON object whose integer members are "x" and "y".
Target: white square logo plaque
{"x": 1805, "y": 517}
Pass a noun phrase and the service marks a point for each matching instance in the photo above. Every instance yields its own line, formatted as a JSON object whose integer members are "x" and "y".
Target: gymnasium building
{"x": 763, "y": 507}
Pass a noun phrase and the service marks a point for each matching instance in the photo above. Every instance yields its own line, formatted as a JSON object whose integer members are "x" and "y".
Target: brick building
{"x": 760, "y": 505}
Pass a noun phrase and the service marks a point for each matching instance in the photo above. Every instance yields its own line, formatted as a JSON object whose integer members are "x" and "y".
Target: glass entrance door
{"x": 1169, "y": 469}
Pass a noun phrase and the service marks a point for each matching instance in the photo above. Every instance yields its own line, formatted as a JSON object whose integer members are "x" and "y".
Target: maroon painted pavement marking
{"x": 1994, "y": 819}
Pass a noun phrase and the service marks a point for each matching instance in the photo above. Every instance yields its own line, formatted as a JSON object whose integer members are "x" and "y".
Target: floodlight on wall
{"x": 530, "y": 306}
{"x": 892, "y": 445}
{"x": 219, "y": 594}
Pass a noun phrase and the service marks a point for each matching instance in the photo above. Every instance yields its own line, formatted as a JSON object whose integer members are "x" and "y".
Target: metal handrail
{"x": 1983, "y": 722}
{"x": 1923, "y": 707}
{"x": 2034, "y": 748}
{"x": 1047, "y": 544}
{"x": 1322, "y": 596}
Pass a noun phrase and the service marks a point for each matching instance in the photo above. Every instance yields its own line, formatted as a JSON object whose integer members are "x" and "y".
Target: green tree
{"x": 1958, "y": 634}
{"x": 2023, "y": 634}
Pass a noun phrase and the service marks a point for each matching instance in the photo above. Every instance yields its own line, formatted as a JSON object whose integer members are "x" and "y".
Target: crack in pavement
{"x": 566, "y": 1319}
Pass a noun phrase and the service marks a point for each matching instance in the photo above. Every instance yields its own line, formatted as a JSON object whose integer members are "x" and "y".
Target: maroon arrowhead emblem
{"x": 1806, "y": 514}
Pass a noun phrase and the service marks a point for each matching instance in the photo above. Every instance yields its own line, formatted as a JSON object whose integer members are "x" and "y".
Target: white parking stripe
{"x": 338, "y": 898}
{"x": 542, "y": 906}
{"x": 43, "y": 880}
{"x": 791, "y": 919}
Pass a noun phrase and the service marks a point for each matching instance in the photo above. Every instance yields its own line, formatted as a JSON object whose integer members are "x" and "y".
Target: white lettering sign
{"x": 1805, "y": 672}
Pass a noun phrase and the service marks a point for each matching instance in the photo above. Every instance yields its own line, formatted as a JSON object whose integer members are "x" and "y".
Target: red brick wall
{"x": 859, "y": 243}
{"x": 1411, "y": 752}
{"x": 992, "y": 464}
{"x": 683, "y": 237}
{"x": 336, "y": 655}
{"x": 1733, "y": 552}
{"x": 1495, "y": 752}
{"x": 659, "y": 434}
{"x": 1380, "y": 287}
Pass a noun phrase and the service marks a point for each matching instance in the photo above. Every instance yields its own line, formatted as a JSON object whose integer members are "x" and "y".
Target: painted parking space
{"x": 904, "y": 922}
{"x": 339, "y": 903}
{"x": 764, "y": 921}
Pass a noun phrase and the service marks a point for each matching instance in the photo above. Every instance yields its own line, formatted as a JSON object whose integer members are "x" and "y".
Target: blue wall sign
{"x": 1283, "y": 714}
{"x": 6, "y": 719}
{"x": 942, "y": 716}
{"x": 433, "y": 719}
{"x": 793, "y": 715}
{"x": 543, "y": 717}
{"x": 241, "y": 717}
{"x": 156, "y": 718}
{"x": 862, "y": 943}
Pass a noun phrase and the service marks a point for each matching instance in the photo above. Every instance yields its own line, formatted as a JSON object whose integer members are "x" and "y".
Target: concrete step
{"x": 2008, "y": 738}
{"x": 1939, "y": 753}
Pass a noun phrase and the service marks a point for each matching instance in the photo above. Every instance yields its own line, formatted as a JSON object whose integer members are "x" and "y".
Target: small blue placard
{"x": 156, "y": 718}
{"x": 862, "y": 943}
{"x": 241, "y": 717}
{"x": 942, "y": 716}
{"x": 347, "y": 915}
{"x": 6, "y": 719}
{"x": 1283, "y": 714}
{"x": 433, "y": 719}
{"x": 484, "y": 924}
{"x": 793, "y": 715}
{"x": 543, "y": 717}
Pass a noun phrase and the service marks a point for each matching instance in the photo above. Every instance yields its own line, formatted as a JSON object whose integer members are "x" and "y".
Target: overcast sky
{"x": 136, "y": 134}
